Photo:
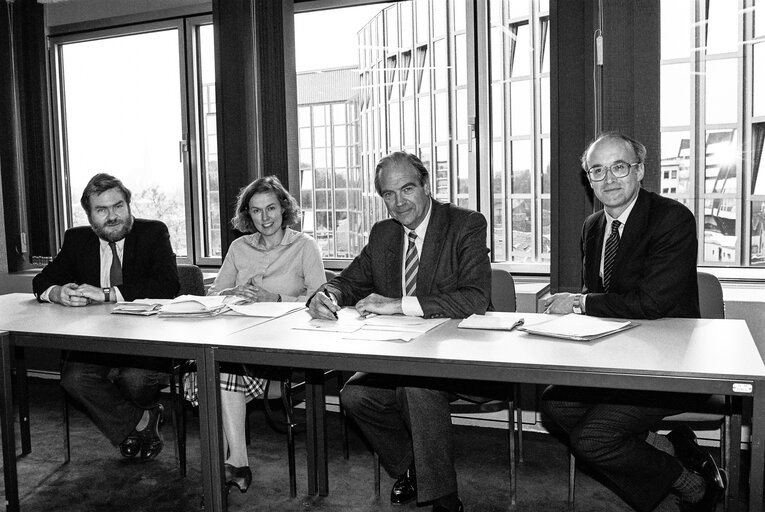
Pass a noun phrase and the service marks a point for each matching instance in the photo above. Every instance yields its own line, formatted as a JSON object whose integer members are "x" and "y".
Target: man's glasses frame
{"x": 618, "y": 170}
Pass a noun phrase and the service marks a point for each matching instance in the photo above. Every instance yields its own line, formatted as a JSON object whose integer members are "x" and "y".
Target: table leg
{"x": 316, "y": 439}
{"x": 7, "y": 426}
{"x": 757, "y": 474}
{"x": 210, "y": 432}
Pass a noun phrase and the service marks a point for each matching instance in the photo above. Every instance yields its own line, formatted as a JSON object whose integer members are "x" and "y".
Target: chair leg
{"x": 377, "y": 475}
{"x": 65, "y": 414}
{"x": 289, "y": 414}
{"x": 179, "y": 422}
{"x": 512, "y": 463}
{"x": 343, "y": 417}
{"x": 571, "y": 481}
{"x": 519, "y": 420}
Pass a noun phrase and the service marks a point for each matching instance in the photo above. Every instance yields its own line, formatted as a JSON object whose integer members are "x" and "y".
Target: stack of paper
{"x": 578, "y": 327}
{"x": 142, "y": 307}
{"x": 196, "y": 306}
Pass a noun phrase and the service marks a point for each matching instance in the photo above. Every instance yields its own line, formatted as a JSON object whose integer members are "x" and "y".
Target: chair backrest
{"x": 711, "y": 302}
{"x": 502, "y": 290}
{"x": 330, "y": 274}
{"x": 191, "y": 279}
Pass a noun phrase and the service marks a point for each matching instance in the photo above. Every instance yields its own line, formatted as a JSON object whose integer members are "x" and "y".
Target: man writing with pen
{"x": 429, "y": 259}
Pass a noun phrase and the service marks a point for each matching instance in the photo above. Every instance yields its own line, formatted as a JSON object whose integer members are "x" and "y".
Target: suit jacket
{"x": 654, "y": 273}
{"x": 454, "y": 275}
{"x": 148, "y": 262}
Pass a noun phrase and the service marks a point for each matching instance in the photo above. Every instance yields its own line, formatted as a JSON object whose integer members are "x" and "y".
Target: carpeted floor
{"x": 99, "y": 479}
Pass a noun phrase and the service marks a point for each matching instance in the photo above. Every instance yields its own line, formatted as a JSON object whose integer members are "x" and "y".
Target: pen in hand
{"x": 518, "y": 323}
{"x": 334, "y": 313}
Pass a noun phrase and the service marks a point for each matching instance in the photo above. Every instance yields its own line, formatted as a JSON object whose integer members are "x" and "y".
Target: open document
{"x": 141, "y": 307}
{"x": 578, "y": 327}
{"x": 374, "y": 327}
{"x": 194, "y": 306}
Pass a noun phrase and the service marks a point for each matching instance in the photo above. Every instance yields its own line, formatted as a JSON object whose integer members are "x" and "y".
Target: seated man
{"x": 639, "y": 262}
{"x": 117, "y": 258}
{"x": 430, "y": 259}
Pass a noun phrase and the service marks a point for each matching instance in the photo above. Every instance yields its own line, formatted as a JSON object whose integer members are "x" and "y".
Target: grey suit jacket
{"x": 454, "y": 276}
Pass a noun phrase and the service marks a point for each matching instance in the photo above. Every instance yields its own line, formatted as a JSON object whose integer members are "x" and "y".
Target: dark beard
{"x": 114, "y": 236}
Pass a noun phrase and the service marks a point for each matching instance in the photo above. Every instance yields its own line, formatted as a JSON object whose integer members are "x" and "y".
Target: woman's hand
{"x": 252, "y": 293}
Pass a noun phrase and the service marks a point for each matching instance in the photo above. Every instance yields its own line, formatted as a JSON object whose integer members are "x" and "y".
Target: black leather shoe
{"x": 151, "y": 441}
{"x": 240, "y": 477}
{"x": 687, "y": 448}
{"x": 131, "y": 446}
{"x": 441, "y": 508}
{"x": 405, "y": 488}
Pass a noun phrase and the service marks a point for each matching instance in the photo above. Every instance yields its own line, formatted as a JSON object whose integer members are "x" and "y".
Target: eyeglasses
{"x": 618, "y": 170}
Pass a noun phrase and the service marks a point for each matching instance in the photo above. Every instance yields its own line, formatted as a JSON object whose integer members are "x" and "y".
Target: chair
{"x": 502, "y": 299}
{"x": 717, "y": 413}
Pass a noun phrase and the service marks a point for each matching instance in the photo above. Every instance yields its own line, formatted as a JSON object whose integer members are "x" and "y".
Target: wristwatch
{"x": 578, "y": 304}
{"x": 107, "y": 294}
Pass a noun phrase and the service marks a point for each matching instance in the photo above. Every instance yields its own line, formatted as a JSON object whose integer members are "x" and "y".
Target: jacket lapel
{"x": 633, "y": 230}
{"x": 128, "y": 254}
{"x": 432, "y": 248}
{"x": 394, "y": 261}
{"x": 594, "y": 247}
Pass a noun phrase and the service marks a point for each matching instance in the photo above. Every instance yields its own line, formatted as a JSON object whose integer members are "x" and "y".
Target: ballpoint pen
{"x": 518, "y": 323}
{"x": 333, "y": 301}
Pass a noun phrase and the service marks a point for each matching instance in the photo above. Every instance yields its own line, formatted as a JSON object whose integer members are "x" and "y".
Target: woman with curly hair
{"x": 272, "y": 263}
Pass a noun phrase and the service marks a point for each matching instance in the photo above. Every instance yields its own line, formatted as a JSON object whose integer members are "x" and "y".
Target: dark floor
{"x": 99, "y": 479}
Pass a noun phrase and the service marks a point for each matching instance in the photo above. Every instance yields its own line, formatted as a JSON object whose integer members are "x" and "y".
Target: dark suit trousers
{"x": 406, "y": 420}
{"x": 113, "y": 397}
{"x": 607, "y": 428}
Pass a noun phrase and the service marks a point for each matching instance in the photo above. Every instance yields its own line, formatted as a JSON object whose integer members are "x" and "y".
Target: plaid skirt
{"x": 246, "y": 383}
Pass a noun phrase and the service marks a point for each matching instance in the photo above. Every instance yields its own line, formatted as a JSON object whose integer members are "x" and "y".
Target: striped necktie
{"x": 412, "y": 262}
{"x": 612, "y": 245}
{"x": 115, "y": 271}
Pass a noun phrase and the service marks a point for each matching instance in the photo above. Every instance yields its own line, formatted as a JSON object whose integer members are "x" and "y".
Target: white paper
{"x": 266, "y": 309}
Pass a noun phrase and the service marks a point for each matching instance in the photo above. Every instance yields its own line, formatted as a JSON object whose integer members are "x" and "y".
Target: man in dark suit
{"x": 116, "y": 258}
{"x": 430, "y": 259}
{"x": 639, "y": 262}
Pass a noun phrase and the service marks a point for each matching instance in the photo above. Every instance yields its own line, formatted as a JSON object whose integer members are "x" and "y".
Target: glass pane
{"x": 137, "y": 81}
{"x": 721, "y": 162}
{"x": 544, "y": 103}
{"x": 758, "y": 78}
{"x": 521, "y": 170}
{"x": 722, "y": 89}
{"x": 522, "y": 236}
{"x": 675, "y": 162}
{"x": 675, "y": 94}
{"x": 758, "y": 162}
{"x": 757, "y": 234}
{"x": 720, "y": 231}
{"x": 676, "y": 28}
{"x": 520, "y": 107}
{"x": 519, "y": 41}
{"x": 519, "y": 8}
{"x": 545, "y": 165}
{"x": 759, "y": 19}
{"x": 461, "y": 64}
{"x": 722, "y": 26}
{"x": 209, "y": 144}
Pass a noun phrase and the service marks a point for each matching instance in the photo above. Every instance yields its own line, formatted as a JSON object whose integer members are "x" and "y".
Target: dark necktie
{"x": 115, "y": 272}
{"x": 412, "y": 262}
{"x": 612, "y": 245}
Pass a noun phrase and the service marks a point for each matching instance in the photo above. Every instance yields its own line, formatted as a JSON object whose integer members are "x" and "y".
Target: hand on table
{"x": 70, "y": 295}
{"x": 379, "y": 305}
{"x": 323, "y": 306}
{"x": 560, "y": 303}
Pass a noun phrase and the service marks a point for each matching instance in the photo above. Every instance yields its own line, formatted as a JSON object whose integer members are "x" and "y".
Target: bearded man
{"x": 116, "y": 258}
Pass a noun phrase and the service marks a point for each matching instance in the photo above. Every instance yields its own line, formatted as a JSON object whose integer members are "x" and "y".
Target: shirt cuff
{"x": 45, "y": 296}
{"x": 410, "y": 306}
{"x": 582, "y": 300}
{"x": 118, "y": 295}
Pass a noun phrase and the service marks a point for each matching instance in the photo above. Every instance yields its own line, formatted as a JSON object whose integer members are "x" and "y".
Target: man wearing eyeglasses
{"x": 117, "y": 257}
{"x": 639, "y": 261}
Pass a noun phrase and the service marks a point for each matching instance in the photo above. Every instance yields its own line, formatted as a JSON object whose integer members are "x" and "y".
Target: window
{"x": 407, "y": 85}
{"x": 130, "y": 120}
{"x": 712, "y": 123}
